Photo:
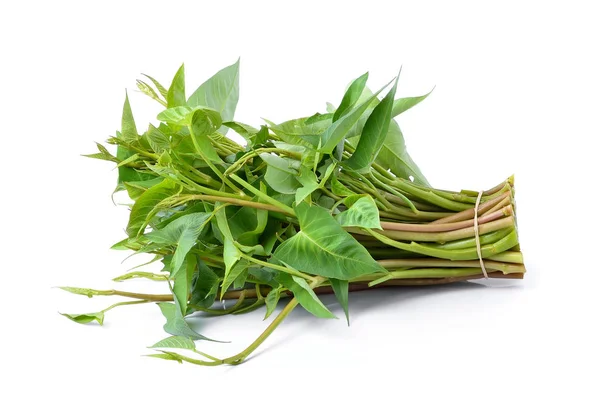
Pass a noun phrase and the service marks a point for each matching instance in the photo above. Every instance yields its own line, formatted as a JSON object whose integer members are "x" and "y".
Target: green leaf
{"x": 145, "y": 88}
{"x": 99, "y": 316}
{"x": 247, "y": 223}
{"x": 308, "y": 179}
{"x": 373, "y": 134}
{"x": 282, "y": 173}
{"x": 146, "y": 203}
{"x": 340, "y": 189}
{"x": 351, "y": 96}
{"x": 162, "y": 90}
{"x": 136, "y": 188}
{"x": 220, "y": 92}
{"x": 362, "y": 212}
{"x": 176, "y": 93}
{"x": 318, "y": 117}
{"x": 323, "y": 247}
{"x": 231, "y": 254}
{"x": 271, "y": 301}
{"x": 175, "y": 342}
{"x": 128, "y": 174}
{"x": 157, "y": 140}
{"x": 238, "y": 274}
{"x": 395, "y": 157}
{"x": 88, "y": 292}
{"x": 205, "y": 121}
{"x": 297, "y": 132}
{"x": 261, "y": 137}
{"x": 128, "y": 129}
{"x": 305, "y": 295}
{"x": 182, "y": 233}
{"x": 340, "y": 289}
{"x": 184, "y": 116}
{"x": 129, "y": 160}
{"x": 104, "y": 154}
{"x": 86, "y": 318}
{"x": 183, "y": 281}
{"x": 204, "y": 286}
{"x": 393, "y": 154}
{"x": 244, "y": 130}
{"x": 176, "y": 324}
{"x": 141, "y": 274}
{"x": 169, "y": 356}
{"x": 405, "y": 103}
{"x": 338, "y": 130}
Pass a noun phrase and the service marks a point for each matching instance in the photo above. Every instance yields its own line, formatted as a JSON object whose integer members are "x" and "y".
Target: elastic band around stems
{"x": 477, "y": 242}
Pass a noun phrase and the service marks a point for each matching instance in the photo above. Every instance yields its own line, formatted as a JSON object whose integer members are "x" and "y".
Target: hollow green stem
{"x": 263, "y": 196}
{"x": 487, "y": 251}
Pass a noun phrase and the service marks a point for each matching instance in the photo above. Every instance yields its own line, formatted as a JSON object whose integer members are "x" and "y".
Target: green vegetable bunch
{"x": 323, "y": 204}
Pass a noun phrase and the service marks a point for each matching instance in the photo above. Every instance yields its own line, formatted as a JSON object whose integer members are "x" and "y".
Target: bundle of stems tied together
{"x": 323, "y": 204}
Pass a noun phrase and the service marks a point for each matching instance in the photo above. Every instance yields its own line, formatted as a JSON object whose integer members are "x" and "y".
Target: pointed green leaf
{"x": 373, "y": 134}
{"x": 204, "y": 286}
{"x": 297, "y": 132}
{"x": 169, "y": 356}
{"x": 318, "y": 117}
{"x": 205, "y": 121}
{"x": 182, "y": 233}
{"x": 128, "y": 129}
{"x": 244, "y": 130}
{"x": 405, "y": 103}
{"x": 247, "y": 224}
{"x": 237, "y": 274}
{"x": 104, "y": 154}
{"x": 175, "y": 342}
{"x": 362, "y": 212}
{"x": 176, "y": 324}
{"x": 180, "y": 115}
{"x": 183, "y": 281}
{"x": 395, "y": 157}
{"x": 86, "y": 318}
{"x": 308, "y": 179}
{"x": 147, "y": 202}
{"x": 145, "y": 88}
{"x": 271, "y": 301}
{"x": 338, "y": 188}
{"x": 206, "y": 118}
{"x": 282, "y": 173}
{"x": 305, "y": 295}
{"x": 136, "y": 188}
{"x": 162, "y": 90}
{"x": 220, "y": 92}
{"x": 351, "y": 96}
{"x": 261, "y": 137}
{"x": 176, "y": 93}
{"x": 231, "y": 254}
{"x": 157, "y": 140}
{"x": 338, "y": 130}
{"x": 340, "y": 289}
{"x": 323, "y": 247}
{"x": 128, "y": 174}
{"x": 88, "y": 292}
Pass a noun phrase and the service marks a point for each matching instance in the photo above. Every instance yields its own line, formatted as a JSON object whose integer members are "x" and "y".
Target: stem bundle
{"x": 331, "y": 203}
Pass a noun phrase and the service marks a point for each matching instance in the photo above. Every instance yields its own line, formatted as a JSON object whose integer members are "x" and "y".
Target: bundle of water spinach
{"x": 328, "y": 203}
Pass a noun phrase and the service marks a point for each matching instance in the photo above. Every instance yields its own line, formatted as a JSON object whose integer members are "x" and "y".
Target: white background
{"x": 517, "y": 87}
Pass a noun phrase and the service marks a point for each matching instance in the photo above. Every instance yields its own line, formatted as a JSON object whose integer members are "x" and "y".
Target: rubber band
{"x": 477, "y": 242}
